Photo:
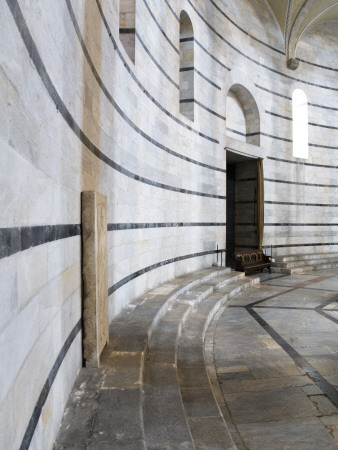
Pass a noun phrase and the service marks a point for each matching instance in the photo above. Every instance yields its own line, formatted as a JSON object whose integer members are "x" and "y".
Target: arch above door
{"x": 242, "y": 115}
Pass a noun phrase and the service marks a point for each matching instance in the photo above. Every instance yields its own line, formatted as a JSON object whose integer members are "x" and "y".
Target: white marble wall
{"x": 77, "y": 114}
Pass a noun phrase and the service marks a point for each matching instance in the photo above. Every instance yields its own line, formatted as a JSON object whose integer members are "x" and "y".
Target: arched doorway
{"x": 245, "y": 197}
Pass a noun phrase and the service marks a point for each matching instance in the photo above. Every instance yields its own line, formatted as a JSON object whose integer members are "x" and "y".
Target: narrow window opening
{"x": 127, "y": 27}
{"x": 186, "y": 66}
{"x": 300, "y": 124}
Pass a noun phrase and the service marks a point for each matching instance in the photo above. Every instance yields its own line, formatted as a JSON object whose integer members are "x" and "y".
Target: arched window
{"x": 186, "y": 66}
{"x": 300, "y": 124}
{"x": 127, "y": 27}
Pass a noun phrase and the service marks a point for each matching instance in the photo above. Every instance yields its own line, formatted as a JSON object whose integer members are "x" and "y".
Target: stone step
{"x": 219, "y": 282}
{"x": 314, "y": 267}
{"x": 164, "y": 418}
{"x": 205, "y": 420}
{"x": 304, "y": 257}
{"x": 304, "y": 269}
{"x": 165, "y": 422}
{"x": 306, "y": 262}
{"x": 136, "y": 401}
{"x": 295, "y": 264}
{"x": 132, "y": 329}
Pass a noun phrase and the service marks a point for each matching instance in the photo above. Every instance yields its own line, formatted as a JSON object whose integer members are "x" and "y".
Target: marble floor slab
{"x": 276, "y": 357}
{"x": 304, "y": 434}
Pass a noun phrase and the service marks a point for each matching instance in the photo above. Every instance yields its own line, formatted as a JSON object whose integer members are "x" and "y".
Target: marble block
{"x": 95, "y": 276}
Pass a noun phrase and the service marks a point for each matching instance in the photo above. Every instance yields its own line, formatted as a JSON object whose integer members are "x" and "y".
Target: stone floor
{"x": 261, "y": 356}
{"x": 274, "y": 349}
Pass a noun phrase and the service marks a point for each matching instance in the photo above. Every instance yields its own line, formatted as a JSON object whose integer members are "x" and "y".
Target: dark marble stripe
{"x": 273, "y": 296}
{"x": 160, "y": 28}
{"x": 315, "y": 244}
{"x": 330, "y": 108}
{"x": 325, "y": 205}
{"x": 211, "y": 55}
{"x": 318, "y": 379}
{"x": 235, "y": 131}
{"x": 290, "y": 98}
{"x": 243, "y": 134}
{"x": 329, "y": 127}
{"x": 189, "y": 69}
{"x": 47, "y": 387}
{"x": 330, "y": 147}
{"x": 140, "y": 272}
{"x": 192, "y": 100}
{"x": 310, "y": 123}
{"x": 208, "y": 80}
{"x": 297, "y": 308}
{"x": 278, "y": 138}
{"x": 171, "y": 10}
{"x": 273, "y": 92}
{"x": 249, "y": 58}
{"x": 17, "y": 239}
{"x": 134, "y": 226}
{"x": 209, "y": 110}
{"x": 288, "y": 224}
{"x": 327, "y": 316}
{"x": 132, "y": 74}
{"x": 300, "y": 183}
{"x": 318, "y": 65}
{"x": 61, "y": 107}
{"x": 160, "y": 68}
{"x": 325, "y": 166}
{"x": 278, "y": 115}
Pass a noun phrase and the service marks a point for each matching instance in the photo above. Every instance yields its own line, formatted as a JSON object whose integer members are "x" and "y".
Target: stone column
{"x": 95, "y": 276}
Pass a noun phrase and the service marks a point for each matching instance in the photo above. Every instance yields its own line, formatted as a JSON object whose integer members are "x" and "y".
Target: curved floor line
{"x": 312, "y": 373}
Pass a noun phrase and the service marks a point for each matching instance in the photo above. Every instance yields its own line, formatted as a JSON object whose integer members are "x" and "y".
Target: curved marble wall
{"x": 77, "y": 114}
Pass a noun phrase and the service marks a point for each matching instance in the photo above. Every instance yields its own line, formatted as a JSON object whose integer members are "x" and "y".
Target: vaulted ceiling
{"x": 295, "y": 17}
